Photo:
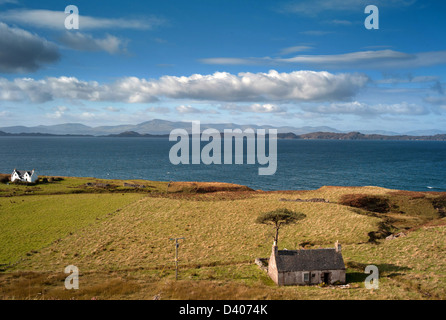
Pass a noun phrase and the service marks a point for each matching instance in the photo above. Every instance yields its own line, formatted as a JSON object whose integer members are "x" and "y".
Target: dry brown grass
{"x": 366, "y": 202}
{"x": 412, "y": 195}
{"x": 129, "y": 255}
{"x": 49, "y": 286}
{"x": 212, "y": 196}
{"x": 216, "y": 232}
{"x": 204, "y": 187}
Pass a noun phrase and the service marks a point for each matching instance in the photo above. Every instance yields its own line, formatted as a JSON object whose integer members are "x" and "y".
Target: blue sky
{"x": 297, "y": 63}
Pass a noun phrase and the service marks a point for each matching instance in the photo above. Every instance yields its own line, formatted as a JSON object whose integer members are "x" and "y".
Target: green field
{"x": 29, "y": 223}
{"x": 72, "y": 185}
{"x": 119, "y": 240}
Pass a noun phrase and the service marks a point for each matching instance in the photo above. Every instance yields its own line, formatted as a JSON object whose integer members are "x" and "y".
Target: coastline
{"x": 286, "y": 136}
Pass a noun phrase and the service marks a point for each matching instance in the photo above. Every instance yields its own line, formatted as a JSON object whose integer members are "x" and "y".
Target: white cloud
{"x": 408, "y": 79}
{"x": 22, "y": 51}
{"x": 294, "y": 49}
{"x": 351, "y": 58}
{"x": 158, "y": 110}
{"x": 315, "y": 32}
{"x": 236, "y": 61}
{"x": 364, "y": 109}
{"x": 58, "y": 112}
{"x": 220, "y": 86}
{"x": 112, "y": 109}
{"x": 9, "y": 1}
{"x": 341, "y": 22}
{"x": 55, "y": 20}
{"x": 266, "y": 108}
{"x": 255, "y": 108}
{"x": 87, "y": 115}
{"x": 187, "y": 109}
{"x": 314, "y": 7}
{"x": 85, "y": 42}
{"x": 439, "y": 101}
{"x": 380, "y": 59}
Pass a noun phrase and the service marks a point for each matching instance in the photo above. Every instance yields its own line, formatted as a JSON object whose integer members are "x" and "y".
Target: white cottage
{"x": 24, "y": 176}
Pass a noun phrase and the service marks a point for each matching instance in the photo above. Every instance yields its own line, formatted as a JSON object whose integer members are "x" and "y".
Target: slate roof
{"x": 309, "y": 260}
{"x": 22, "y": 172}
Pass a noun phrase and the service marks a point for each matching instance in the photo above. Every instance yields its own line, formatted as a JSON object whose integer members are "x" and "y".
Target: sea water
{"x": 301, "y": 164}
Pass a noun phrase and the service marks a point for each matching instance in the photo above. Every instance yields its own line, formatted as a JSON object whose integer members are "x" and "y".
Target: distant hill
{"x": 133, "y": 134}
{"x": 361, "y": 136}
{"x": 67, "y": 128}
{"x": 162, "y": 128}
{"x": 313, "y": 136}
{"x": 425, "y": 132}
{"x": 37, "y": 134}
{"x": 154, "y": 127}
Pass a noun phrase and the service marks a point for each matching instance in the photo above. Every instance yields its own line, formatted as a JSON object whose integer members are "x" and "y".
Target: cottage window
{"x": 306, "y": 276}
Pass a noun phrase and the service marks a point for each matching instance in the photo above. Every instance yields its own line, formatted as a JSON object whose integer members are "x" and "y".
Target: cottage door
{"x": 326, "y": 277}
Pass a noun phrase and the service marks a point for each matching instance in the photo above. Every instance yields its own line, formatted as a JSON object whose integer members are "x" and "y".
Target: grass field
{"x": 29, "y": 223}
{"x": 119, "y": 240}
{"x": 73, "y": 185}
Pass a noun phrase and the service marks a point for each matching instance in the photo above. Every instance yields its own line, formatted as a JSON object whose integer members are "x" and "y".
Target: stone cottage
{"x": 306, "y": 267}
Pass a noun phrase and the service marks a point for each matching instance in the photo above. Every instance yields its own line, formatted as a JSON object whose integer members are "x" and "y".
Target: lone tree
{"x": 279, "y": 218}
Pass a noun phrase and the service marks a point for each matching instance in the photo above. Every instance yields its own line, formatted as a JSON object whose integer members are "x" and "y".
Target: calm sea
{"x": 302, "y": 164}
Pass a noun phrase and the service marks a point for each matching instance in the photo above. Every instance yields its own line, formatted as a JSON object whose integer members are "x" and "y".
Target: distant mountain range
{"x": 155, "y": 126}
{"x": 159, "y": 127}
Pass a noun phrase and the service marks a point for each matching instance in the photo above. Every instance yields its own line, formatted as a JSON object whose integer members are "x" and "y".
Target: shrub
{"x": 367, "y": 202}
{"x": 439, "y": 202}
{"x": 4, "y": 178}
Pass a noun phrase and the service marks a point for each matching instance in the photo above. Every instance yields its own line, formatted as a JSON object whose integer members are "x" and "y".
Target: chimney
{"x": 337, "y": 246}
{"x": 275, "y": 250}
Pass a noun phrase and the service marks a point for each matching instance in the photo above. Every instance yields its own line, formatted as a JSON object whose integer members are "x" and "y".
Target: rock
{"x": 396, "y": 235}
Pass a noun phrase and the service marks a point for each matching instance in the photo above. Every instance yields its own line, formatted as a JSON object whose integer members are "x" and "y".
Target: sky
{"x": 265, "y": 62}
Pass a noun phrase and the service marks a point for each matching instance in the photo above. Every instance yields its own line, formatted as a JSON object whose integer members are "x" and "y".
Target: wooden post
{"x": 177, "y": 245}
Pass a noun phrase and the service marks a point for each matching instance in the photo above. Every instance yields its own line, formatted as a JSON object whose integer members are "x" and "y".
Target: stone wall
{"x": 315, "y": 277}
{"x": 262, "y": 263}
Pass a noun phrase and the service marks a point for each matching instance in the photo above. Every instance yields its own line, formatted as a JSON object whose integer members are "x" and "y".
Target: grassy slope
{"x": 128, "y": 254}
{"x": 69, "y": 185}
{"x": 216, "y": 232}
{"x": 31, "y": 223}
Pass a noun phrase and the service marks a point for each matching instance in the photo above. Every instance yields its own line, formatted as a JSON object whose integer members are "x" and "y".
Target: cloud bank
{"x": 365, "y": 109}
{"x": 297, "y": 86}
{"x": 85, "y": 42}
